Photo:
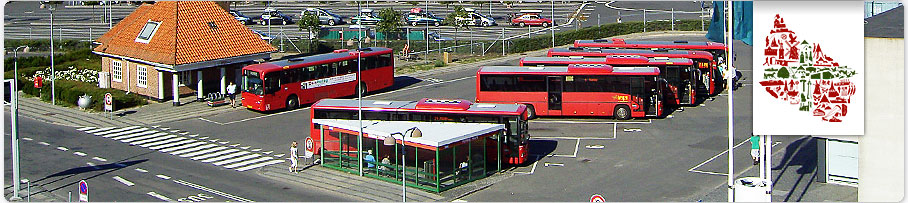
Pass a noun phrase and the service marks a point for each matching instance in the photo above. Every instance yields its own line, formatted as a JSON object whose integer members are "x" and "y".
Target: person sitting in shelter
{"x": 369, "y": 159}
{"x": 384, "y": 161}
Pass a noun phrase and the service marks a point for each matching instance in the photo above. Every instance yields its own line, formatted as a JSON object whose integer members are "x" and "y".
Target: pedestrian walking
{"x": 231, "y": 93}
{"x": 755, "y": 148}
{"x": 293, "y": 157}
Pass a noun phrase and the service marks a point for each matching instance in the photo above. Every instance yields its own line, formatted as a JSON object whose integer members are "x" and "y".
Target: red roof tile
{"x": 183, "y": 36}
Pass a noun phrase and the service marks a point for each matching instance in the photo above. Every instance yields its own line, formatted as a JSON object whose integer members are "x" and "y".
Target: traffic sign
{"x": 108, "y": 102}
{"x": 83, "y": 191}
{"x": 309, "y": 144}
{"x": 597, "y": 198}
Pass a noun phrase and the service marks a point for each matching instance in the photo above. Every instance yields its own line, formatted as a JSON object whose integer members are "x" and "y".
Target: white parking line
{"x": 163, "y": 177}
{"x": 27, "y": 139}
{"x": 124, "y": 181}
{"x": 533, "y": 170}
{"x": 222, "y": 194}
{"x": 693, "y": 169}
{"x": 99, "y": 159}
{"x": 253, "y": 118}
{"x": 79, "y": 154}
{"x": 159, "y": 196}
{"x": 44, "y": 143}
{"x": 63, "y": 149}
{"x": 140, "y": 170}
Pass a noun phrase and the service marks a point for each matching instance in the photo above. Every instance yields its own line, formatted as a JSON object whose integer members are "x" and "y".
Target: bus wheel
{"x": 531, "y": 112}
{"x": 622, "y": 112}
{"x": 292, "y": 102}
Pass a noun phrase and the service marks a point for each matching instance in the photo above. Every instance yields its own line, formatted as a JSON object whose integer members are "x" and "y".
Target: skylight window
{"x": 148, "y": 31}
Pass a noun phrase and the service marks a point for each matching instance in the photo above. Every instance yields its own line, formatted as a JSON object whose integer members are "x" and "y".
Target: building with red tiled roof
{"x": 187, "y": 46}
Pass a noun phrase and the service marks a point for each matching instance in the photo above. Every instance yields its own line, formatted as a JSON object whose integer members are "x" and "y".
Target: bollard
{"x": 70, "y": 196}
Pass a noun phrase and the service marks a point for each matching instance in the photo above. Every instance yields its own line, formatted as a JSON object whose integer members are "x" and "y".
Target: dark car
{"x": 325, "y": 17}
{"x": 242, "y": 18}
{"x": 275, "y": 17}
{"x": 418, "y": 16}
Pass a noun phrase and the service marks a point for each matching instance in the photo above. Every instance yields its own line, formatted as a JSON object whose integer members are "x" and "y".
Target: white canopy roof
{"x": 433, "y": 133}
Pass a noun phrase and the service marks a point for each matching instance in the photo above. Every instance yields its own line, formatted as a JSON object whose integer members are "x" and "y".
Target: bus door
{"x": 554, "y": 89}
{"x": 645, "y": 91}
{"x": 687, "y": 78}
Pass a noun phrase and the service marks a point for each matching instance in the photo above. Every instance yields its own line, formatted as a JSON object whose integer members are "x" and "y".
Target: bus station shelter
{"x": 448, "y": 154}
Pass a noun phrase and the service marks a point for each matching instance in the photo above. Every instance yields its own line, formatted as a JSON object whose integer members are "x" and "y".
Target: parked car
{"x": 325, "y": 17}
{"x": 367, "y": 17}
{"x": 417, "y": 16}
{"x": 242, "y": 18}
{"x": 476, "y": 19}
{"x": 531, "y": 18}
{"x": 272, "y": 17}
{"x": 436, "y": 37}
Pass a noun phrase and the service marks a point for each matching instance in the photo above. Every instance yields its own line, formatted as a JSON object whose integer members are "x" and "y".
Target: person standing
{"x": 755, "y": 148}
{"x": 293, "y": 157}
{"x": 231, "y": 93}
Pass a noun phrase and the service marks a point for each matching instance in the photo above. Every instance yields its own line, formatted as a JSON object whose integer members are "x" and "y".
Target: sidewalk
{"x": 369, "y": 189}
{"x": 38, "y": 194}
{"x": 151, "y": 113}
{"x": 794, "y": 174}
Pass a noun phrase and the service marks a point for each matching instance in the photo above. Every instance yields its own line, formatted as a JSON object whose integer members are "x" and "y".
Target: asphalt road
{"x": 55, "y": 158}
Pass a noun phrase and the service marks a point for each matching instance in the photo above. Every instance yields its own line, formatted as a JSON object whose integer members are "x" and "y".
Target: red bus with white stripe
{"x": 575, "y": 90}
{"x": 302, "y": 80}
{"x": 680, "y": 73}
{"x": 514, "y": 116}
{"x": 711, "y": 80}
{"x": 715, "y": 48}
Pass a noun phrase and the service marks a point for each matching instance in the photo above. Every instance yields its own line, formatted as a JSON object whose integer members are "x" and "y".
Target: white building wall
{"x": 882, "y": 148}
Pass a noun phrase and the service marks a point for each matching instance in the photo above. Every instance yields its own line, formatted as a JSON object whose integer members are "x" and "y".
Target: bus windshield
{"x": 252, "y": 83}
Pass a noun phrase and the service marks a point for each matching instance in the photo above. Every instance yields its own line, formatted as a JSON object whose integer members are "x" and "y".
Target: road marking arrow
{"x": 547, "y": 164}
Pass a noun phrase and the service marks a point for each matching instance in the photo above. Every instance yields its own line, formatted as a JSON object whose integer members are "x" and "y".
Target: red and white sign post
{"x": 108, "y": 104}
{"x": 83, "y": 191}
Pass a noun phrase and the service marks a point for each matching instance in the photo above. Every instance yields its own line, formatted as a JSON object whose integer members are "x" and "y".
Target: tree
{"x": 414, "y": 3}
{"x": 390, "y": 22}
{"x": 309, "y": 21}
{"x": 458, "y": 19}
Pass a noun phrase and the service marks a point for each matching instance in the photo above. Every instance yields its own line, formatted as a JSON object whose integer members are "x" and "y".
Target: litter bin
{"x": 752, "y": 189}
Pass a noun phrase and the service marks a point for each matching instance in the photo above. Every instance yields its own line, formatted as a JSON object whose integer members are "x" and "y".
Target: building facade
{"x": 173, "y": 48}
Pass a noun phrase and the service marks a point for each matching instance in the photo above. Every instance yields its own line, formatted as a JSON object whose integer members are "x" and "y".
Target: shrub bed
{"x": 68, "y": 92}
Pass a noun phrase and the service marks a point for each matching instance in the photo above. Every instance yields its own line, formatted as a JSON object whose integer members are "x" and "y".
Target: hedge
{"x": 75, "y": 57}
{"x": 68, "y": 92}
{"x": 44, "y": 44}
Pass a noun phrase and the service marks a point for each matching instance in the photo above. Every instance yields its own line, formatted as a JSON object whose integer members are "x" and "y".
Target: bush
{"x": 68, "y": 92}
{"x": 439, "y": 63}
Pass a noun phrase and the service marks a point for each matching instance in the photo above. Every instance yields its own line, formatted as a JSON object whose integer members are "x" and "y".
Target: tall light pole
{"x": 390, "y": 141}
{"x": 731, "y": 127}
{"x": 359, "y": 92}
{"x": 50, "y": 6}
{"x": 15, "y": 123}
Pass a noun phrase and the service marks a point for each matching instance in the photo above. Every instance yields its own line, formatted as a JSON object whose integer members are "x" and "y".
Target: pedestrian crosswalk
{"x": 177, "y": 143}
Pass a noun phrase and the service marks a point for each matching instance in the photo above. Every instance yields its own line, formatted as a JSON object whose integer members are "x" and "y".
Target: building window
{"x": 148, "y": 31}
{"x": 116, "y": 70}
{"x": 185, "y": 78}
{"x": 142, "y": 76}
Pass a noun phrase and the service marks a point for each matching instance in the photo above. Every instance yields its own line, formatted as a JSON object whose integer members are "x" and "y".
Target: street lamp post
{"x": 390, "y": 141}
{"x": 359, "y": 92}
{"x": 53, "y": 99}
{"x": 15, "y": 123}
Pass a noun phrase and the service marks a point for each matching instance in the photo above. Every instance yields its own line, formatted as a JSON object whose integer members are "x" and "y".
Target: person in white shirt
{"x": 293, "y": 157}
{"x": 231, "y": 93}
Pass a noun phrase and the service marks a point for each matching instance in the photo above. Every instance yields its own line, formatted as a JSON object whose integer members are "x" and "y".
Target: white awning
{"x": 433, "y": 133}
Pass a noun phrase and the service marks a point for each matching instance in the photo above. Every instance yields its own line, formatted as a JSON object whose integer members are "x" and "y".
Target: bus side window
{"x": 345, "y": 67}
{"x": 387, "y": 60}
{"x": 272, "y": 82}
{"x": 332, "y": 70}
{"x": 322, "y": 71}
{"x": 311, "y": 73}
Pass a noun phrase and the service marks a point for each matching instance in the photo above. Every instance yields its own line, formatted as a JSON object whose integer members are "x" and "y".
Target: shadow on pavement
{"x": 539, "y": 149}
{"x": 803, "y": 153}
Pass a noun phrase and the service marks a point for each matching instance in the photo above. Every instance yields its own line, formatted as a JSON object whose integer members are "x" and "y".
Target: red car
{"x": 531, "y": 19}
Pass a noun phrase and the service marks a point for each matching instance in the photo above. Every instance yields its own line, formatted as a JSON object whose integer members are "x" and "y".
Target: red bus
{"x": 715, "y": 48}
{"x": 513, "y": 116}
{"x": 711, "y": 81}
{"x": 679, "y": 73}
{"x": 575, "y": 90}
{"x": 291, "y": 82}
